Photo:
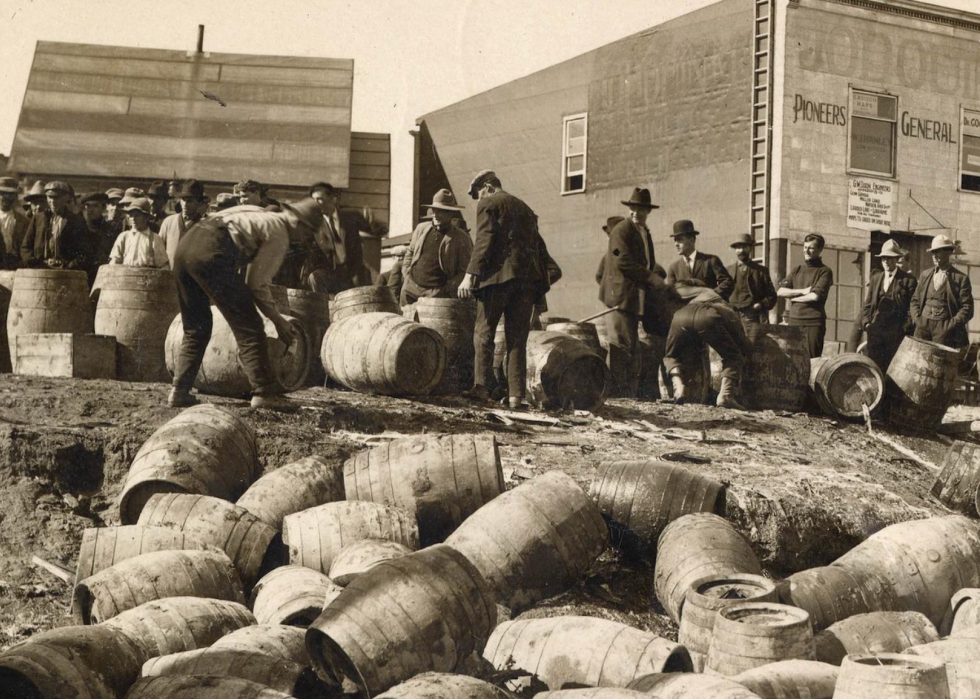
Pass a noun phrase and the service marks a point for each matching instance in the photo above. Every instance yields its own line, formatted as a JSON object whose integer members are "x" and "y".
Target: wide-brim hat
{"x": 141, "y": 205}
{"x": 942, "y": 242}
{"x": 157, "y": 190}
{"x": 444, "y": 200}
{"x": 193, "y": 189}
{"x": 306, "y": 210}
{"x": 891, "y": 249}
{"x": 131, "y": 194}
{"x": 612, "y": 222}
{"x": 37, "y": 192}
{"x": 8, "y": 185}
{"x": 743, "y": 239}
{"x": 684, "y": 227}
{"x": 641, "y": 198}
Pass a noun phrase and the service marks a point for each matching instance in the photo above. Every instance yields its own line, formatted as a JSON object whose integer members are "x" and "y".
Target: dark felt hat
{"x": 99, "y": 197}
{"x": 612, "y": 222}
{"x": 743, "y": 239}
{"x": 193, "y": 189}
{"x": 8, "y": 185}
{"x": 307, "y": 210}
{"x": 157, "y": 190}
{"x": 684, "y": 227}
{"x": 640, "y": 197}
{"x": 443, "y": 199}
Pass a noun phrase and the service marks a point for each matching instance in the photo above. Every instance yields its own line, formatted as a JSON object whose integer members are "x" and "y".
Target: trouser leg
{"x": 721, "y": 337}
{"x": 622, "y": 332}
{"x": 490, "y": 304}
{"x": 195, "y": 315}
{"x": 517, "y": 325}
{"x": 814, "y": 335}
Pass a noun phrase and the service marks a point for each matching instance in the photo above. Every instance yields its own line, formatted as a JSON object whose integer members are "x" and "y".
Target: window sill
{"x": 573, "y": 191}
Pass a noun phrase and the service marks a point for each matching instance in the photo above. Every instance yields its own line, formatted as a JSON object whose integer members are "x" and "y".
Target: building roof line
{"x": 916, "y": 10}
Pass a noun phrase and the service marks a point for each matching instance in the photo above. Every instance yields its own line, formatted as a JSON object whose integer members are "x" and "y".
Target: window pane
{"x": 851, "y": 268}
{"x": 576, "y": 146}
{"x": 849, "y": 303}
{"x": 576, "y": 128}
{"x": 575, "y": 164}
{"x": 868, "y": 104}
{"x": 574, "y": 183}
{"x": 829, "y": 258}
{"x": 872, "y": 145}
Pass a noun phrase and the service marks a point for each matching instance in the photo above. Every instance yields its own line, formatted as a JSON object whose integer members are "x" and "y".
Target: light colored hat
{"x": 891, "y": 249}
{"x": 942, "y": 242}
{"x": 114, "y": 193}
{"x": 131, "y": 194}
{"x": 141, "y": 204}
{"x": 37, "y": 192}
{"x": 444, "y": 200}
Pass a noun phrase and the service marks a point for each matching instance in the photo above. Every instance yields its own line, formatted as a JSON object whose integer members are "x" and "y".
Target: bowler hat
{"x": 157, "y": 190}
{"x": 93, "y": 196}
{"x": 141, "y": 204}
{"x": 481, "y": 179}
{"x": 612, "y": 222}
{"x": 114, "y": 193}
{"x": 37, "y": 192}
{"x": 8, "y": 185}
{"x": 890, "y": 249}
{"x": 306, "y": 210}
{"x": 743, "y": 239}
{"x": 193, "y": 189}
{"x": 132, "y": 193}
{"x": 815, "y": 236}
{"x": 942, "y": 242}
{"x": 444, "y": 200}
{"x": 57, "y": 186}
{"x": 640, "y": 197}
{"x": 683, "y": 227}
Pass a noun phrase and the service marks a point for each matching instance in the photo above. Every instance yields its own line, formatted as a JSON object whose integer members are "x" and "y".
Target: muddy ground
{"x": 802, "y": 488}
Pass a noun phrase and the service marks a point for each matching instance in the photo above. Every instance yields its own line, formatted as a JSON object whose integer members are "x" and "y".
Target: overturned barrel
{"x": 293, "y": 488}
{"x": 919, "y": 384}
{"x": 276, "y": 640}
{"x": 563, "y": 372}
{"x": 48, "y": 301}
{"x": 776, "y": 375}
{"x": 312, "y": 310}
{"x": 965, "y": 613}
{"x": 443, "y": 685}
{"x": 359, "y": 557}
{"x": 383, "y": 353}
{"x": 846, "y": 385}
{"x": 684, "y": 685}
{"x": 206, "y": 450}
{"x": 362, "y": 299}
{"x": 292, "y": 595}
{"x": 892, "y": 675}
{"x": 962, "y": 658}
{"x": 105, "y": 547}
{"x": 790, "y": 679}
{"x": 583, "y": 332}
{"x": 753, "y": 634}
{"x": 202, "y": 687}
{"x": 441, "y": 480}
{"x": 832, "y": 593}
{"x": 958, "y": 484}
{"x": 875, "y": 632}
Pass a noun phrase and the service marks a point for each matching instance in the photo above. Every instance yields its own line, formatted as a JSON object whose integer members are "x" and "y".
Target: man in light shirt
{"x": 942, "y": 304}
{"x": 13, "y": 224}
{"x": 193, "y": 207}
{"x": 886, "y": 309}
{"x": 139, "y": 246}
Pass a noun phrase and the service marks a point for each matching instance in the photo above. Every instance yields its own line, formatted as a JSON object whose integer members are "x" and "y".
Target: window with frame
{"x": 873, "y": 128}
{"x": 970, "y": 150}
{"x": 575, "y": 132}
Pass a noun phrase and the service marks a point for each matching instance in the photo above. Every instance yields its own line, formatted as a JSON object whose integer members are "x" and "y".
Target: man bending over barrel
{"x": 205, "y": 267}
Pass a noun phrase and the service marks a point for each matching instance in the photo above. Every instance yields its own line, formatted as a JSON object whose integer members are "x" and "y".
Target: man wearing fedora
{"x": 13, "y": 223}
{"x": 885, "y": 316}
{"x": 437, "y": 255}
{"x": 139, "y": 246}
{"x": 159, "y": 196}
{"x": 942, "y": 304}
{"x": 60, "y": 239}
{"x": 628, "y": 281}
{"x": 507, "y": 274}
{"x": 334, "y": 260}
{"x": 805, "y": 290}
{"x": 753, "y": 294}
{"x": 193, "y": 207}
{"x": 693, "y": 268}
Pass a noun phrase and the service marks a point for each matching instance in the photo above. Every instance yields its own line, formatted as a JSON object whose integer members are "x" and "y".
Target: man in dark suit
{"x": 886, "y": 309}
{"x": 61, "y": 239}
{"x": 627, "y": 280}
{"x": 13, "y": 223}
{"x": 942, "y": 304}
{"x": 753, "y": 294}
{"x": 335, "y": 262}
{"x": 507, "y": 274}
{"x": 695, "y": 268}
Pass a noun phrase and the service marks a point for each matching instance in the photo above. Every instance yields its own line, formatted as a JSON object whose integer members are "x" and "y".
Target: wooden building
{"x": 856, "y": 119}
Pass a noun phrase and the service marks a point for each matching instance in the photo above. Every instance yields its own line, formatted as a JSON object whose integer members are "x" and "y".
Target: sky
{"x": 410, "y": 58}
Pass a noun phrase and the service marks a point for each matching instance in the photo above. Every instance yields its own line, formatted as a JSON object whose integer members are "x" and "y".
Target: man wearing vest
{"x": 886, "y": 310}
{"x": 695, "y": 268}
{"x": 942, "y": 304}
{"x": 753, "y": 294}
{"x": 193, "y": 207}
{"x": 806, "y": 289}
{"x": 335, "y": 262}
{"x": 438, "y": 254}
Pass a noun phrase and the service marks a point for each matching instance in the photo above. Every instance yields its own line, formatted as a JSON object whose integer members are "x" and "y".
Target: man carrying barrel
{"x": 206, "y": 269}
{"x": 806, "y": 289}
{"x": 886, "y": 309}
{"x": 753, "y": 294}
{"x": 942, "y": 304}
{"x": 193, "y": 207}
{"x": 438, "y": 253}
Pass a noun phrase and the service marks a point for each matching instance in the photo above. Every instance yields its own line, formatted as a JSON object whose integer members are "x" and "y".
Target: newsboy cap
{"x": 815, "y": 236}
{"x": 57, "y": 186}
{"x": 114, "y": 193}
{"x": 481, "y": 179}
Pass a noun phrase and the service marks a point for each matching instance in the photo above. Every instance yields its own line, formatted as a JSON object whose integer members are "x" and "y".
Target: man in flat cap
{"x": 206, "y": 270}
{"x": 694, "y": 268}
{"x": 113, "y": 212}
{"x": 885, "y": 316}
{"x": 628, "y": 283}
{"x": 193, "y": 207}
{"x": 139, "y": 246}
{"x": 507, "y": 274}
{"x": 438, "y": 253}
{"x": 942, "y": 304}
{"x": 805, "y": 290}
{"x": 61, "y": 240}
{"x": 100, "y": 230}
{"x": 334, "y": 261}
{"x": 753, "y": 294}
{"x": 13, "y": 223}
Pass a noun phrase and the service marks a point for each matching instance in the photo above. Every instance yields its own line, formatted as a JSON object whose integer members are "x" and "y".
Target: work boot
{"x": 726, "y": 395}
{"x": 516, "y": 404}
{"x": 273, "y": 402}
{"x": 478, "y": 394}
{"x": 680, "y": 390}
{"x": 180, "y": 398}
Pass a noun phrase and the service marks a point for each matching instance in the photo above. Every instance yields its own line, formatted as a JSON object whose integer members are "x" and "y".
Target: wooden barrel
{"x": 919, "y": 384}
{"x": 292, "y": 595}
{"x": 697, "y": 546}
{"x": 315, "y": 536}
{"x": 965, "y": 612}
{"x": 359, "y": 557}
{"x": 925, "y": 562}
{"x": 582, "y": 651}
{"x": 440, "y": 480}
{"x": 958, "y": 484}
{"x": 845, "y": 383}
{"x": 832, "y": 593}
{"x": 454, "y": 320}
{"x": 708, "y": 595}
{"x": 177, "y": 624}
{"x": 592, "y": 693}
{"x": 640, "y": 498}
{"x": 48, "y": 301}
{"x": 280, "y": 297}
{"x": 875, "y": 632}
{"x": 206, "y": 450}
{"x": 752, "y": 634}
{"x": 201, "y": 687}
{"x": 278, "y": 641}
{"x": 362, "y": 299}
{"x": 962, "y": 658}
{"x": 534, "y": 541}
{"x": 892, "y": 676}
{"x": 790, "y": 679}
{"x": 284, "y": 676}
{"x": 776, "y": 375}
{"x": 293, "y": 488}
{"x": 87, "y": 662}
{"x": 105, "y": 547}
{"x": 443, "y": 685}
{"x": 6, "y": 291}
{"x": 445, "y": 613}
{"x": 563, "y": 372}
{"x": 383, "y": 353}
{"x": 252, "y": 545}
{"x": 221, "y": 372}
{"x": 684, "y": 685}
{"x": 312, "y": 310}
{"x": 136, "y": 306}
{"x": 154, "y": 576}
{"x": 583, "y": 332}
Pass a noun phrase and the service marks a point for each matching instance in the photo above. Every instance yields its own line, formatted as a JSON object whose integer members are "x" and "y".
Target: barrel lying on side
{"x": 534, "y": 541}
{"x": 278, "y": 641}
{"x": 684, "y": 685}
{"x": 206, "y": 450}
{"x": 441, "y": 480}
{"x": 891, "y": 675}
{"x": 919, "y": 384}
{"x": 312, "y": 310}
{"x": 563, "y": 372}
{"x": 789, "y": 679}
{"x": 201, "y": 687}
{"x": 958, "y": 484}
{"x": 582, "y": 651}
{"x": 753, "y": 634}
{"x": 962, "y": 658}
{"x": 360, "y": 300}
{"x": 847, "y": 384}
{"x": 640, "y": 498}
{"x": 293, "y": 488}
{"x": 583, "y": 332}
{"x": 445, "y": 613}
{"x": 965, "y": 613}
{"x": 292, "y": 595}
{"x": 359, "y": 557}
{"x": 832, "y": 593}
{"x": 443, "y": 685}
{"x": 875, "y": 632}
{"x": 104, "y": 547}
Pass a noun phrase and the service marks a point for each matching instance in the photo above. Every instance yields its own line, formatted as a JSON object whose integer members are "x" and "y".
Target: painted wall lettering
{"x": 930, "y": 130}
{"x": 821, "y": 112}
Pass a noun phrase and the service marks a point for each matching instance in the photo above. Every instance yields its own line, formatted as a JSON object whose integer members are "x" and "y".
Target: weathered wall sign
{"x": 930, "y": 130}
{"x": 821, "y": 112}
{"x": 870, "y": 204}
